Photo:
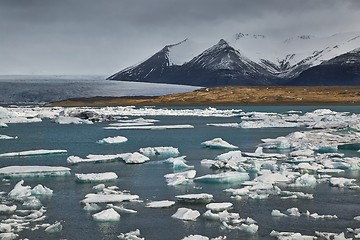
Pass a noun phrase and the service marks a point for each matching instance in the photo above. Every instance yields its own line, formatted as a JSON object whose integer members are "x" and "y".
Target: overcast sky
{"x": 104, "y": 36}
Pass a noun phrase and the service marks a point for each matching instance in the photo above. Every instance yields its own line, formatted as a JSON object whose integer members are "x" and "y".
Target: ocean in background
{"x": 147, "y": 180}
{"x": 42, "y": 89}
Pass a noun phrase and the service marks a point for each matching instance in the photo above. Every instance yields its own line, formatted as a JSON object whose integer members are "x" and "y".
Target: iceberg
{"x": 94, "y": 158}
{"x": 5, "y": 137}
{"x": 226, "y": 177}
{"x": 71, "y": 120}
{"x": 134, "y": 158}
{"x": 163, "y": 127}
{"x": 195, "y": 198}
{"x": 109, "y": 198}
{"x": 219, "y": 207}
{"x": 34, "y": 171}
{"x": 179, "y": 163}
{"x": 33, "y": 152}
{"x": 132, "y": 235}
{"x": 195, "y": 237}
{"x": 91, "y": 207}
{"x": 218, "y": 143}
{"x": 20, "y": 192}
{"x": 290, "y": 236}
{"x": 165, "y": 152}
{"x": 178, "y": 178}
{"x": 54, "y": 228}
{"x": 112, "y": 140}
{"x": 305, "y": 180}
{"x": 121, "y": 209}
{"x": 341, "y": 182}
{"x": 108, "y": 215}
{"x": 7, "y": 210}
{"x": 277, "y": 213}
{"x": 95, "y": 177}
{"x": 260, "y": 154}
{"x": 160, "y": 204}
{"x": 40, "y": 190}
{"x": 186, "y": 214}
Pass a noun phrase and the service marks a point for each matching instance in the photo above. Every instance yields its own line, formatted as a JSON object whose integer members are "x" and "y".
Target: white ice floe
{"x": 162, "y": 127}
{"x": 277, "y": 213}
{"x": 6, "y": 210}
{"x": 186, "y": 214}
{"x": 91, "y": 207}
{"x": 134, "y": 158}
{"x": 290, "y": 236}
{"x": 195, "y": 237}
{"x": 341, "y": 182}
{"x": 71, "y": 120}
{"x": 219, "y": 207}
{"x": 160, "y": 204}
{"x": 164, "y": 152}
{"x": 234, "y": 125}
{"x": 34, "y": 171}
{"x": 5, "y": 137}
{"x": 260, "y": 154}
{"x": 33, "y": 152}
{"x": 305, "y": 180}
{"x": 94, "y": 158}
{"x": 40, "y": 190}
{"x": 95, "y": 177}
{"x": 132, "y": 235}
{"x": 218, "y": 143}
{"x": 195, "y": 198}
{"x": 179, "y": 163}
{"x": 108, "y": 215}
{"x": 178, "y": 178}
{"x": 121, "y": 209}
{"x": 112, "y": 140}
{"x": 109, "y": 198}
{"x": 54, "y": 228}
{"x": 12, "y": 120}
{"x": 226, "y": 177}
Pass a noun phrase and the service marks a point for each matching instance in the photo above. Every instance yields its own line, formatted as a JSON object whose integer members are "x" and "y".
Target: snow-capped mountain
{"x": 248, "y": 59}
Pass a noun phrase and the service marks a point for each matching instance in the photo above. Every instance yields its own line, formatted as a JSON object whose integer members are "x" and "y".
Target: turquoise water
{"x": 147, "y": 181}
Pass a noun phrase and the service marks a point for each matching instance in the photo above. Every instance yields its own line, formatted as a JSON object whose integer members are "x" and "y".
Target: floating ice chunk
{"x": 127, "y": 124}
{"x": 186, "y": 214}
{"x": 272, "y": 178}
{"x": 178, "y": 178}
{"x": 108, "y": 198}
{"x": 91, "y": 207}
{"x": 5, "y": 137}
{"x": 234, "y": 125}
{"x": 5, "y": 227}
{"x": 195, "y": 198}
{"x": 290, "y": 236}
{"x": 357, "y": 218}
{"x": 226, "y": 177}
{"x": 160, "y": 151}
{"x": 33, "y": 152}
{"x": 108, "y": 215}
{"x": 33, "y": 171}
{"x": 8, "y": 236}
{"x": 260, "y": 154}
{"x": 160, "y": 204}
{"x": 20, "y": 192}
{"x": 330, "y": 170}
{"x": 96, "y": 177}
{"x": 208, "y": 162}
{"x": 99, "y": 187}
{"x": 219, "y": 207}
{"x": 163, "y": 127}
{"x": 305, "y": 180}
{"x": 277, "y": 213}
{"x": 250, "y": 228}
{"x": 4, "y": 209}
{"x": 32, "y": 203}
{"x": 300, "y": 195}
{"x": 305, "y": 152}
{"x": 41, "y": 190}
{"x": 121, "y": 209}
{"x": 179, "y": 163}
{"x": 334, "y": 236}
{"x": 218, "y": 143}
{"x": 231, "y": 155}
{"x": 341, "y": 182}
{"x": 94, "y": 158}
{"x": 133, "y": 235}
{"x": 293, "y": 212}
{"x": 239, "y": 191}
{"x": 71, "y": 120}
{"x": 139, "y": 120}
{"x": 307, "y": 167}
{"x": 277, "y": 143}
{"x": 134, "y": 158}
{"x": 317, "y": 216}
{"x": 112, "y": 140}
{"x": 220, "y": 216}
{"x": 54, "y": 228}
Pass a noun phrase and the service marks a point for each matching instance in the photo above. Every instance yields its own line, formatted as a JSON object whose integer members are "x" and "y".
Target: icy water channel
{"x": 147, "y": 180}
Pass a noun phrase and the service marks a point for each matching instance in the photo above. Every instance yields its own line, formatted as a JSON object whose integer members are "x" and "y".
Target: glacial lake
{"x": 147, "y": 180}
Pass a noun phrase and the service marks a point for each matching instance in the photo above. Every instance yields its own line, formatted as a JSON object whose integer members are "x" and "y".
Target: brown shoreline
{"x": 232, "y": 96}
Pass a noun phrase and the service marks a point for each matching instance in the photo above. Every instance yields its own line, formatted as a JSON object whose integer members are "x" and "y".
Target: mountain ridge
{"x": 248, "y": 59}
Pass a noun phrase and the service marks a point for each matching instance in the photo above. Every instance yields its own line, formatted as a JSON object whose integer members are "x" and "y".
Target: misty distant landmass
{"x": 254, "y": 60}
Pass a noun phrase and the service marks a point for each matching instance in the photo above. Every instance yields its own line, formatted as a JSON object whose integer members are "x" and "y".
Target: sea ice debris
{"x": 186, "y": 214}
{"x": 218, "y": 143}
{"x": 95, "y": 177}
{"x": 108, "y": 215}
